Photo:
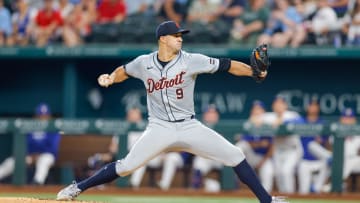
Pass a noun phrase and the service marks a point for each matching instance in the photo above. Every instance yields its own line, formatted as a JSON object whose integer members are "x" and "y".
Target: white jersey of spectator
{"x": 138, "y": 175}
{"x": 169, "y": 162}
{"x": 205, "y": 166}
{"x": 351, "y": 156}
{"x": 325, "y": 18}
{"x": 351, "y": 144}
{"x": 287, "y": 153}
{"x": 288, "y": 142}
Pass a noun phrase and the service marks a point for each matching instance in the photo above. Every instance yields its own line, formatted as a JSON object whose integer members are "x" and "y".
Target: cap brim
{"x": 183, "y": 31}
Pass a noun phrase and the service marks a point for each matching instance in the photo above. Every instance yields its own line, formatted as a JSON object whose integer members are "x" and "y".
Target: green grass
{"x": 173, "y": 199}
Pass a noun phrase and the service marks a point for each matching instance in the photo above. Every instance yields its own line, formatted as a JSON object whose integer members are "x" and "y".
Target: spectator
{"x": 251, "y": 23}
{"x": 203, "y": 166}
{"x": 138, "y": 175}
{"x": 171, "y": 162}
{"x": 48, "y": 23}
{"x": 42, "y": 149}
{"x": 23, "y": 24}
{"x": 314, "y": 168}
{"x": 259, "y": 148}
{"x": 287, "y": 148}
{"x": 323, "y": 24}
{"x": 351, "y": 148}
{"x": 36, "y": 4}
{"x": 175, "y": 10}
{"x": 143, "y": 7}
{"x": 77, "y": 27}
{"x": 230, "y": 10}
{"x": 203, "y": 21}
{"x": 284, "y": 26}
{"x": 351, "y": 145}
{"x": 351, "y": 27}
{"x": 5, "y": 23}
{"x": 211, "y": 116}
{"x": 202, "y": 11}
{"x": 90, "y": 8}
{"x": 64, "y": 7}
{"x": 307, "y": 8}
{"x": 111, "y": 11}
{"x": 340, "y": 6}
{"x": 98, "y": 160}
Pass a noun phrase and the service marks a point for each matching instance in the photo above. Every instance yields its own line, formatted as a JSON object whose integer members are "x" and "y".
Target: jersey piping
{"x": 162, "y": 99}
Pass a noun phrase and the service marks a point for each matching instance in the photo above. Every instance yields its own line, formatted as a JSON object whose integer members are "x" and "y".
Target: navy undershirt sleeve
{"x": 224, "y": 65}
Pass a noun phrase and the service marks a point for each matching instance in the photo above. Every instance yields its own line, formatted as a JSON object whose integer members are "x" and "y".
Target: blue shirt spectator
{"x": 42, "y": 150}
{"x": 187, "y": 158}
{"x": 306, "y": 140}
{"x": 43, "y": 142}
{"x": 277, "y": 25}
{"x": 5, "y": 20}
{"x": 253, "y": 138}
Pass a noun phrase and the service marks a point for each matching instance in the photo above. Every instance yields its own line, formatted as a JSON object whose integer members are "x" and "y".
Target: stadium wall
{"x": 66, "y": 79}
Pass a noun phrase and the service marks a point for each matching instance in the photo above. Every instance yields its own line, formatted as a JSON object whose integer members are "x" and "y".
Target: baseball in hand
{"x": 105, "y": 80}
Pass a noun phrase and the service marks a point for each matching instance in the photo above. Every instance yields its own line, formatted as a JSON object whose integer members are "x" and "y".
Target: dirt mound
{"x": 35, "y": 200}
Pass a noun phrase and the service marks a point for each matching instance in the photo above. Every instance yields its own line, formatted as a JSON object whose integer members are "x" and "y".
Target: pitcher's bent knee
{"x": 237, "y": 157}
{"x": 121, "y": 169}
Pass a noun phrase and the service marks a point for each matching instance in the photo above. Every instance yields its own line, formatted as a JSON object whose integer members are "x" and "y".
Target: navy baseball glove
{"x": 259, "y": 61}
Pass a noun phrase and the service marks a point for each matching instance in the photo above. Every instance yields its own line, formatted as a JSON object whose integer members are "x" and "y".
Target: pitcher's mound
{"x": 35, "y": 200}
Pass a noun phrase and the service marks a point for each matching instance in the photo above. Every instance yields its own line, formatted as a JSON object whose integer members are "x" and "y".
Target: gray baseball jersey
{"x": 170, "y": 89}
{"x": 170, "y": 100}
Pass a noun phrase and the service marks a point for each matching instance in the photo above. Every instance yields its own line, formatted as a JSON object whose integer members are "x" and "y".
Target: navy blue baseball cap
{"x": 258, "y": 103}
{"x": 169, "y": 28}
{"x": 280, "y": 97}
{"x": 348, "y": 112}
{"x": 42, "y": 109}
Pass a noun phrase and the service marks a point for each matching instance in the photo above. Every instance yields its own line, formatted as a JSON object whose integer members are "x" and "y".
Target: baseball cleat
{"x": 279, "y": 199}
{"x": 69, "y": 193}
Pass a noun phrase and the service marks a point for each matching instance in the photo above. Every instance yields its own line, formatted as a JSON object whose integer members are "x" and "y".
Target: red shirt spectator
{"x": 111, "y": 11}
{"x": 45, "y": 18}
{"x": 48, "y": 22}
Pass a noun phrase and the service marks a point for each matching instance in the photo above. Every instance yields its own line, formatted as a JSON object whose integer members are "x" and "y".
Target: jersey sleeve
{"x": 134, "y": 68}
{"x": 203, "y": 64}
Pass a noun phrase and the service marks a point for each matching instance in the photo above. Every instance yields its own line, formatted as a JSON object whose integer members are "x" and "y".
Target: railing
{"x": 133, "y": 50}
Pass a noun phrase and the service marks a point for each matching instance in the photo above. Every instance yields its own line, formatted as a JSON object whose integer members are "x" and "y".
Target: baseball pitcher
{"x": 169, "y": 76}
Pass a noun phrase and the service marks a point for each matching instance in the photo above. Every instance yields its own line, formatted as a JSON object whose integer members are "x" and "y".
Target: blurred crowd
{"x": 281, "y": 23}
